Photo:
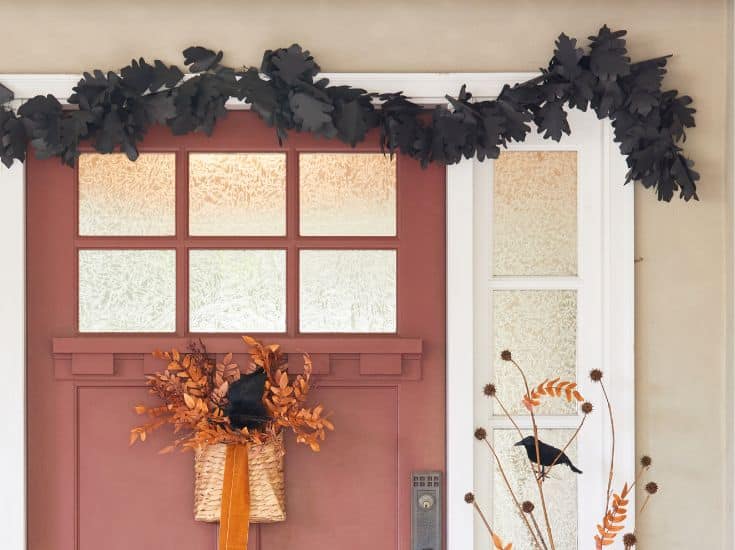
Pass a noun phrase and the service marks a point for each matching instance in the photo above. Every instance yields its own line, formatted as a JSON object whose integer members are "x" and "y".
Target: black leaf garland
{"x": 115, "y": 110}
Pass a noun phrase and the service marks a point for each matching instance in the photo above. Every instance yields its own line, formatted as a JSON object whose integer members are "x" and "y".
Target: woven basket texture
{"x": 267, "y": 488}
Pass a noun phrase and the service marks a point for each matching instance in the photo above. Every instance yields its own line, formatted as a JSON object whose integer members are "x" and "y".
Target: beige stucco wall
{"x": 681, "y": 280}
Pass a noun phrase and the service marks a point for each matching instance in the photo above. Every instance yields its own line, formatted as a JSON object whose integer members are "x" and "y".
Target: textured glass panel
{"x": 127, "y": 290}
{"x": 535, "y": 213}
{"x": 347, "y": 194}
{"x": 348, "y": 290}
{"x": 237, "y": 194}
{"x": 539, "y": 327}
{"x": 121, "y": 197}
{"x": 237, "y": 290}
{"x": 560, "y": 491}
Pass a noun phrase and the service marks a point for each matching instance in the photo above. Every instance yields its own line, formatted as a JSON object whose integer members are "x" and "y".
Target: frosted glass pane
{"x": 237, "y": 194}
{"x": 127, "y": 290}
{"x": 121, "y": 197}
{"x": 348, "y": 290}
{"x": 539, "y": 327}
{"x": 237, "y": 290}
{"x": 560, "y": 491}
{"x": 347, "y": 194}
{"x": 535, "y": 213}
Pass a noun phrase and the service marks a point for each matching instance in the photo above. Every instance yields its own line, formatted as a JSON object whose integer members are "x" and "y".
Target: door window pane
{"x": 127, "y": 290}
{"x": 347, "y": 290}
{"x": 347, "y": 194}
{"x": 121, "y": 197}
{"x": 540, "y": 329}
{"x": 237, "y": 194}
{"x": 560, "y": 490}
{"x": 535, "y": 213}
{"x": 237, "y": 290}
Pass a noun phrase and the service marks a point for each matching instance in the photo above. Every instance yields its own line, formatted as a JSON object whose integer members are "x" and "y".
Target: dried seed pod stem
{"x": 612, "y": 445}
{"x": 539, "y": 482}
{"x": 512, "y": 493}
{"x": 571, "y": 439}
{"x": 508, "y": 416}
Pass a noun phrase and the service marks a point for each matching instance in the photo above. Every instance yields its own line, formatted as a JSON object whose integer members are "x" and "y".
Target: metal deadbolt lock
{"x": 426, "y": 501}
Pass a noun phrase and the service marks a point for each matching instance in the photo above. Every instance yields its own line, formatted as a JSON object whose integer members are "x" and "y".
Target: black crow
{"x": 245, "y": 401}
{"x": 547, "y": 454}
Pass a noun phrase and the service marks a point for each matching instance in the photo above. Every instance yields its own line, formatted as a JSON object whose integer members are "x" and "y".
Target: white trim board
{"x": 424, "y": 88}
{"x": 12, "y": 356}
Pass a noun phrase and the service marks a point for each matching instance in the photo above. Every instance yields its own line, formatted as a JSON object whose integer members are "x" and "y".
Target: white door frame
{"x": 426, "y": 89}
{"x": 606, "y": 275}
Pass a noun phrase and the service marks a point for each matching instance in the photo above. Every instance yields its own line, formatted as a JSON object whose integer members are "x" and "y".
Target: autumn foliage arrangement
{"x": 234, "y": 418}
{"x": 196, "y": 392}
{"x": 543, "y": 458}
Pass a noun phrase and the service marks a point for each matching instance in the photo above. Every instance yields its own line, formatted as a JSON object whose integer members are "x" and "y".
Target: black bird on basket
{"x": 245, "y": 407}
{"x": 547, "y": 455}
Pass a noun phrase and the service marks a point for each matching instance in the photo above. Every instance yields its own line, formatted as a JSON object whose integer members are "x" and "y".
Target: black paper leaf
{"x": 200, "y": 59}
{"x": 581, "y": 91}
{"x": 117, "y": 112}
{"x": 138, "y": 75}
{"x": 74, "y": 127}
{"x": 646, "y": 75}
{"x": 607, "y": 55}
{"x": 5, "y": 95}
{"x": 676, "y": 114}
{"x": 450, "y": 134}
{"x": 291, "y": 65}
{"x": 608, "y": 98}
{"x": 263, "y": 96}
{"x": 312, "y": 115}
{"x": 353, "y": 114}
{"x": 399, "y": 124}
{"x": 200, "y": 102}
{"x": 491, "y": 137}
{"x": 351, "y": 122}
{"x": 551, "y": 120}
{"x": 164, "y": 75}
{"x": 685, "y": 176}
{"x": 42, "y": 117}
{"x": 14, "y": 138}
{"x": 160, "y": 106}
{"x": 567, "y": 57}
{"x": 515, "y": 117}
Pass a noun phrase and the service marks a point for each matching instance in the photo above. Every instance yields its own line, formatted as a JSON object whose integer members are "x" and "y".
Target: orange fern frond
{"x": 552, "y": 388}
{"x": 498, "y": 543}
{"x": 614, "y": 520}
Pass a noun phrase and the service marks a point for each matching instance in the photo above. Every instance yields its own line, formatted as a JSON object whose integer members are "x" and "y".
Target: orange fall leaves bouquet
{"x": 195, "y": 392}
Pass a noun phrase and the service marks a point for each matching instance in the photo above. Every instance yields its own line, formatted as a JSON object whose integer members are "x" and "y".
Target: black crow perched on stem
{"x": 547, "y": 455}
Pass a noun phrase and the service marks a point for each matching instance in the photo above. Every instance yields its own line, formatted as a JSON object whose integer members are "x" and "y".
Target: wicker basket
{"x": 267, "y": 490}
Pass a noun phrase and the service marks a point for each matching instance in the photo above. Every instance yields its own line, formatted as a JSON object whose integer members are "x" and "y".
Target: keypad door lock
{"x": 426, "y": 511}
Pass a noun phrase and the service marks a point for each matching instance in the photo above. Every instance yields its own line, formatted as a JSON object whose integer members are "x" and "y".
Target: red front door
{"x": 122, "y": 261}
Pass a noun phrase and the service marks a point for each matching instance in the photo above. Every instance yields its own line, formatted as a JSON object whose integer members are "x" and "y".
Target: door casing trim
{"x": 424, "y": 88}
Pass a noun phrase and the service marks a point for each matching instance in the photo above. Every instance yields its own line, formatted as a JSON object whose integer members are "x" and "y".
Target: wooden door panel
{"x": 366, "y": 454}
{"x": 88, "y": 489}
{"x": 131, "y": 497}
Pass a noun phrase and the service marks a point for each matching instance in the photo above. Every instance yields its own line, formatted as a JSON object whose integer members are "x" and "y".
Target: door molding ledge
{"x": 425, "y": 89}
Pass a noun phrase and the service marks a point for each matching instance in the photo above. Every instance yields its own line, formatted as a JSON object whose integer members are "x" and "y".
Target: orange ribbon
{"x": 235, "y": 513}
